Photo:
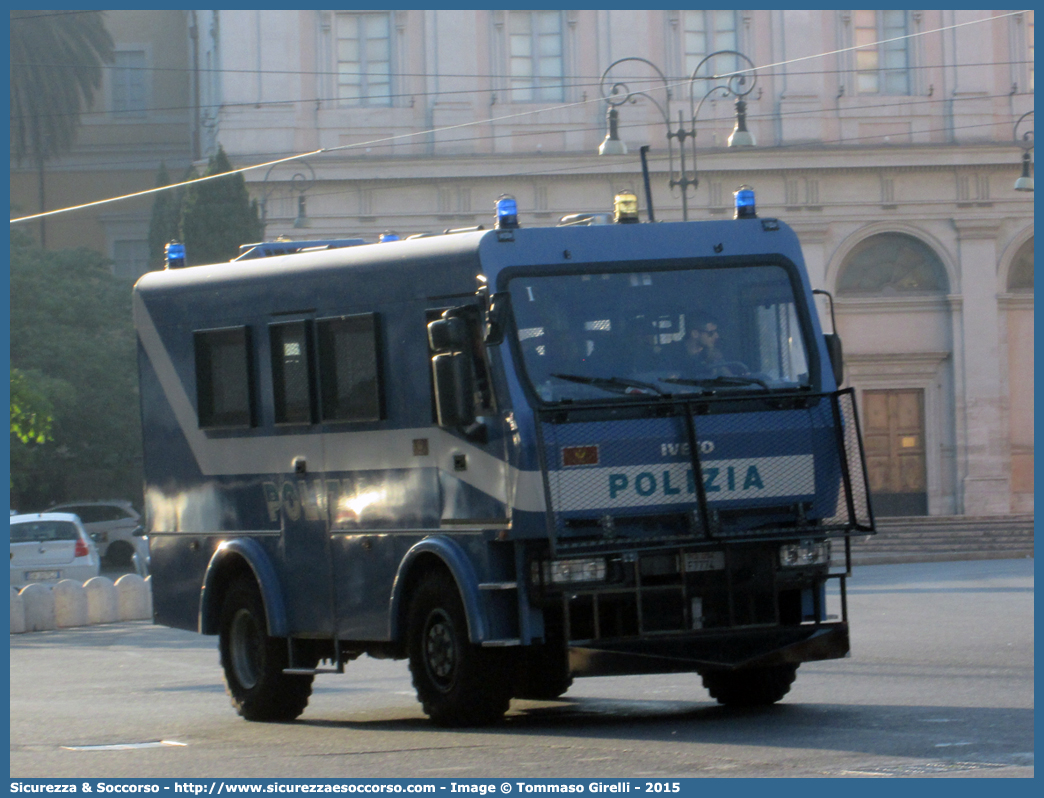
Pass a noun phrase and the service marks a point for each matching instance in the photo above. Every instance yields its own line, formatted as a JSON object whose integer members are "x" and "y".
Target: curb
{"x": 957, "y": 556}
{"x": 68, "y": 604}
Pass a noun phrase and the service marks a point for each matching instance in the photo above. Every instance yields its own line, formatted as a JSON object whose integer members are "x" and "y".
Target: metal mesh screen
{"x": 858, "y": 514}
{"x": 752, "y": 466}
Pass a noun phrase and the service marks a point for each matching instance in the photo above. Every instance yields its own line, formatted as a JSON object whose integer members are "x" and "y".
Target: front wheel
{"x": 750, "y": 687}
{"x": 253, "y": 662}
{"x": 458, "y": 683}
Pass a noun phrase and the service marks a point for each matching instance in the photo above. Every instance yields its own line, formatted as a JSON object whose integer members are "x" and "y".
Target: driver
{"x": 702, "y": 346}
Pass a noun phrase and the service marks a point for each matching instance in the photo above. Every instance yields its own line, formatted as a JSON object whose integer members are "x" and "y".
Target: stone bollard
{"x": 148, "y": 584}
{"x": 133, "y": 598}
{"x": 102, "y": 600}
{"x": 39, "y": 607}
{"x": 70, "y": 604}
{"x": 17, "y": 613}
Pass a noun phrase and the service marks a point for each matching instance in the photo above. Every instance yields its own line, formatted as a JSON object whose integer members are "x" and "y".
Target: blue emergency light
{"x": 507, "y": 213}
{"x": 745, "y": 208}
{"x": 386, "y": 237}
{"x": 175, "y": 255}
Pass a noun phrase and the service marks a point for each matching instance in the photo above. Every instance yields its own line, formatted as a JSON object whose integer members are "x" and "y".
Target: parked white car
{"x": 48, "y": 547}
{"x": 111, "y": 524}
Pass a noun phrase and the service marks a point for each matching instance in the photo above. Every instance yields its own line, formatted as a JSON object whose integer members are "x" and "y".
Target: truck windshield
{"x": 596, "y": 335}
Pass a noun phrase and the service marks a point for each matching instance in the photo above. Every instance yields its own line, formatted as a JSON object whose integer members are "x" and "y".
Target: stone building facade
{"x": 895, "y": 163}
{"x": 142, "y": 117}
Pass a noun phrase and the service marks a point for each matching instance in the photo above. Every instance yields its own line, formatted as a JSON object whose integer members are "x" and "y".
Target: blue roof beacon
{"x": 745, "y": 208}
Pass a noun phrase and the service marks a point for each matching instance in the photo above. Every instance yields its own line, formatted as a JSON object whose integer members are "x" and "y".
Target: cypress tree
{"x": 217, "y": 216}
{"x": 165, "y": 221}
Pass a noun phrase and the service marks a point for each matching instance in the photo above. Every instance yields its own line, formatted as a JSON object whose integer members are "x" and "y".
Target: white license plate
{"x": 705, "y": 561}
{"x": 41, "y": 576}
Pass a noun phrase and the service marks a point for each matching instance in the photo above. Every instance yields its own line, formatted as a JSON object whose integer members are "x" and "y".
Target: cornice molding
{"x": 969, "y": 229}
{"x": 897, "y": 304}
{"x": 899, "y": 358}
{"x": 813, "y": 232}
{"x": 880, "y": 369}
{"x": 1019, "y": 301}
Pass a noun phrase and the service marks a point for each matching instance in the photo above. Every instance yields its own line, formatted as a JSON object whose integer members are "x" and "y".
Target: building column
{"x": 984, "y": 447}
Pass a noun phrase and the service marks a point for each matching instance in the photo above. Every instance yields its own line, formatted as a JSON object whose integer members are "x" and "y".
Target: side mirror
{"x": 448, "y": 335}
{"x": 454, "y": 388}
{"x": 833, "y": 345}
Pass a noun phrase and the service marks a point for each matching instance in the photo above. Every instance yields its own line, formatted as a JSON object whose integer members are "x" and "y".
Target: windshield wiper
{"x": 721, "y": 380}
{"x": 613, "y": 384}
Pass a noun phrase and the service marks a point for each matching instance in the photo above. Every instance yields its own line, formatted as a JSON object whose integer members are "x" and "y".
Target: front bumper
{"x": 729, "y": 649}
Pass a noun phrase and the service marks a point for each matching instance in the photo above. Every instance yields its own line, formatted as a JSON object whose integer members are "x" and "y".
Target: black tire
{"x": 120, "y": 552}
{"x": 750, "y": 687}
{"x": 457, "y": 682}
{"x": 254, "y": 662}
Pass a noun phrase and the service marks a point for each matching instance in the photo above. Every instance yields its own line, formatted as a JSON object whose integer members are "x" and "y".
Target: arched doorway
{"x": 899, "y": 284}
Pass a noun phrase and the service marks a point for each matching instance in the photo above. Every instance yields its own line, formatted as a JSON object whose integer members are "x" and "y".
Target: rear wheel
{"x": 253, "y": 662}
{"x": 750, "y": 687}
{"x": 457, "y": 682}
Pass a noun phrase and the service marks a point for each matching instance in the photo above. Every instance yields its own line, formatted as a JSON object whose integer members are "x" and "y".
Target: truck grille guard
{"x": 817, "y": 477}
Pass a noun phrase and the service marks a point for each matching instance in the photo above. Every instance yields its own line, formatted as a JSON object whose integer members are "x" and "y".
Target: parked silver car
{"x": 48, "y": 547}
{"x": 111, "y": 524}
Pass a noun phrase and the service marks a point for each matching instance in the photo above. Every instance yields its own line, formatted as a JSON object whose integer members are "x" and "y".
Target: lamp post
{"x": 1025, "y": 182}
{"x": 738, "y": 83}
{"x": 300, "y": 182}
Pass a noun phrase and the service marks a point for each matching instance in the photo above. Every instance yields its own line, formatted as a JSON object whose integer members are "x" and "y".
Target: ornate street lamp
{"x": 300, "y": 182}
{"x": 1025, "y": 182}
{"x": 738, "y": 83}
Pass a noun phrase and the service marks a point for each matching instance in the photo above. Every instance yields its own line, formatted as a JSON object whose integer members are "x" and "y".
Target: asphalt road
{"x": 940, "y": 683}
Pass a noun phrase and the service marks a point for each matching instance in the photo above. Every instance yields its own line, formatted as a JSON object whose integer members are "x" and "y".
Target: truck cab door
{"x": 472, "y": 452}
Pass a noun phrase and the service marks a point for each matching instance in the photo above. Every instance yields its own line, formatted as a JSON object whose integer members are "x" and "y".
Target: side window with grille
{"x": 292, "y": 372}
{"x": 349, "y": 368}
{"x": 225, "y": 394}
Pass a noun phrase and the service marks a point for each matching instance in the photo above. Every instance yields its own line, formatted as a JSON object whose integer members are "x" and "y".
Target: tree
{"x": 56, "y": 67}
{"x": 72, "y": 336}
{"x": 31, "y": 411}
{"x": 218, "y": 215}
{"x": 165, "y": 224}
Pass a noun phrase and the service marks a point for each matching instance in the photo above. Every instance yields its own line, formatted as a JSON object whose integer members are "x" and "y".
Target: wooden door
{"x": 895, "y": 451}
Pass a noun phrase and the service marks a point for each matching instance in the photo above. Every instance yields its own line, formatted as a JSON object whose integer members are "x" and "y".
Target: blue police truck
{"x": 513, "y": 456}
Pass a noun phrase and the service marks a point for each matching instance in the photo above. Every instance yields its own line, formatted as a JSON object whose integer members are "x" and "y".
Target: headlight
{"x": 807, "y": 552}
{"x": 560, "y": 572}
